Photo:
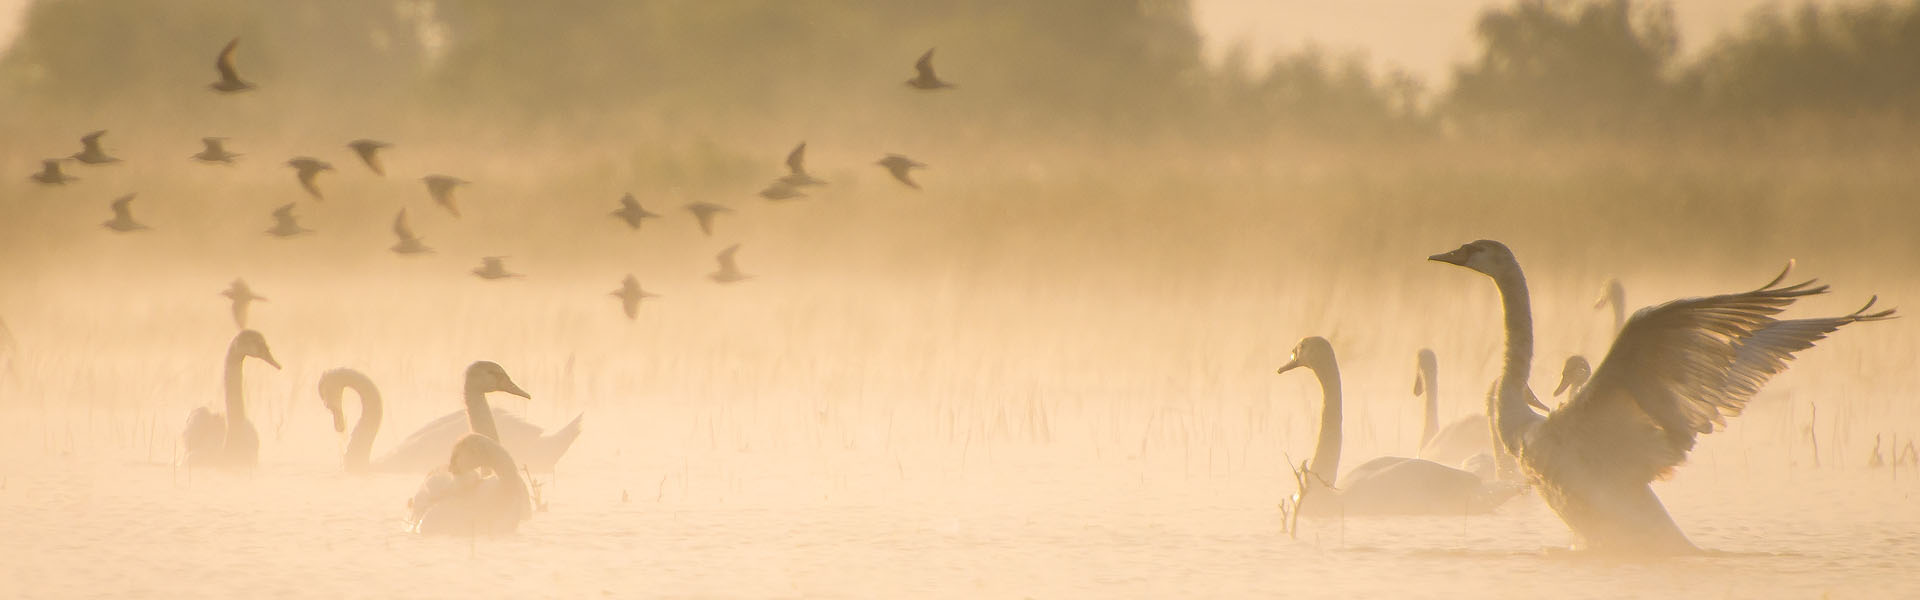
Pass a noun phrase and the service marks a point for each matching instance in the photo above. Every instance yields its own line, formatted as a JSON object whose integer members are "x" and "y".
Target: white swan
{"x": 479, "y": 493}
{"x": 1461, "y": 439}
{"x": 1614, "y": 295}
{"x": 479, "y": 489}
{"x": 1386, "y": 485}
{"x": 212, "y": 439}
{"x": 1675, "y": 371}
{"x": 427, "y": 447}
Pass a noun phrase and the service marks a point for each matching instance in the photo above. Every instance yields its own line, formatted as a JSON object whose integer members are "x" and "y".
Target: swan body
{"x": 1386, "y": 485}
{"x": 229, "y": 440}
{"x": 427, "y": 447}
{"x": 1675, "y": 371}
{"x": 479, "y": 489}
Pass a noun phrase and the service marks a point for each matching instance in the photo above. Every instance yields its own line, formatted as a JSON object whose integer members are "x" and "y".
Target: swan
{"x": 1386, "y": 485}
{"x": 1460, "y": 440}
{"x": 1614, "y": 295}
{"x": 480, "y": 492}
{"x": 427, "y": 446}
{"x": 212, "y": 439}
{"x": 1675, "y": 371}
{"x": 1573, "y": 376}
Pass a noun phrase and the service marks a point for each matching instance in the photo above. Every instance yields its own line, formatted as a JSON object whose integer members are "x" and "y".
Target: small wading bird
{"x": 241, "y": 296}
{"x": 50, "y": 173}
{"x": 1675, "y": 371}
{"x": 729, "y": 272}
{"x": 779, "y": 190}
{"x": 285, "y": 224}
{"x": 797, "y": 175}
{"x": 369, "y": 151}
{"x": 1385, "y": 485}
{"x": 440, "y": 187}
{"x": 409, "y": 243}
{"x": 631, "y": 212}
{"x": 122, "y": 220}
{"x": 926, "y": 80}
{"x": 491, "y": 267}
{"x": 215, "y": 152}
{"x": 900, "y": 167}
{"x": 230, "y": 81}
{"x": 704, "y": 212}
{"x": 215, "y": 440}
{"x": 90, "y": 152}
{"x": 306, "y": 168}
{"x": 630, "y": 295}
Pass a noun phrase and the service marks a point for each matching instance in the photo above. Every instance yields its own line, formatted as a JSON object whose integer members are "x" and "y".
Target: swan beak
{"x": 511, "y": 388}
{"x": 1600, "y": 302}
{"x": 1291, "y": 365}
{"x": 1534, "y": 401}
{"x": 1419, "y": 384}
{"x": 267, "y": 355}
{"x": 1456, "y": 257}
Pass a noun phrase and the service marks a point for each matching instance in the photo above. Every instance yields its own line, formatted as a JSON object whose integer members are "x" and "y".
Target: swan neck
{"x": 372, "y": 411}
{"x": 480, "y": 414}
{"x": 236, "y": 402}
{"x": 1510, "y": 411}
{"x": 1430, "y": 426}
{"x": 1326, "y": 452}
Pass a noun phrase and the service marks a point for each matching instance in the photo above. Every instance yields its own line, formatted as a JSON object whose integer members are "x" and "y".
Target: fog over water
{"x": 1046, "y": 371}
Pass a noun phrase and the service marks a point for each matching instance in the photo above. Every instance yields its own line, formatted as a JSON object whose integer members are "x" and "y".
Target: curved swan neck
{"x": 372, "y": 412}
{"x": 480, "y": 414}
{"x": 1326, "y": 453}
{"x": 1510, "y": 411}
{"x": 1430, "y": 426}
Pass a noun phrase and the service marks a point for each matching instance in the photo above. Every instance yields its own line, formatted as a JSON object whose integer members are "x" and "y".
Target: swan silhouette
{"x": 229, "y": 440}
{"x": 479, "y": 489}
{"x": 1675, "y": 371}
{"x": 1385, "y": 485}
{"x": 427, "y": 446}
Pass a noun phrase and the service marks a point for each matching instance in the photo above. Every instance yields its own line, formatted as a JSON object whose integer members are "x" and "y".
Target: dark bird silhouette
{"x": 122, "y": 220}
{"x": 369, "y": 153}
{"x": 900, "y": 166}
{"x": 230, "y": 81}
{"x": 50, "y": 173}
{"x": 241, "y": 295}
{"x": 780, "y": 190}
{"x": 729, "y": 272}
{"x": 704, "y": 212}
{"x": 308, "y": 167}
{"x": 631, "y": 212}
{"x": 630, "y": 295}
{"x": 285, "y": 224}
{"x": 409, "y": 243}
{"x": 491, "y": 268}
{"x": 90, "y": 152}
{"x": 441, "y": 188}
{"x": 215, "y": 152}
{"x": 797, "y": 175}
{"x": 926, "y": 79}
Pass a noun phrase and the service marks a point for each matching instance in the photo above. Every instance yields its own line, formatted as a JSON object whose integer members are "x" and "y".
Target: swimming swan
{"x": 1675, "y": 371}
{"x": 480, "y": 492}
{"x": 1386, "y": 485}
{"x": 212, "y": 439}
{"x": 427, "y": 447}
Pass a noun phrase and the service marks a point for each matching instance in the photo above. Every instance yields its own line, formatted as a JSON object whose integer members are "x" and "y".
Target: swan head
{"x": 1425, "y": 366}
{"x": 1613, "y": 293}
{"x": 333, "y": 385}
{"x": 251, "y": 343}
{"x": 1313, "y": 353}
{"x": 487, "y": 376}
{"x": 1574, "y": 375}
{"x": 1489, "y": 257}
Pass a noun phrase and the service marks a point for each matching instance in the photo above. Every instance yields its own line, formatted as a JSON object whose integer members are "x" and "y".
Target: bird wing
{"x": 925, "y": 65}
{"x": 400, "y": 226}
{"x": 1765, "y": 353}
{"x": 627, "y": 202}
{"x": 1667, "y": 379}
{"x": 91, "y": 141}
{"x": 121, "y": 210}
{"x": 284, "y": 212}
{"x": 225, "y": 62}
{"x": 726, "y": 259}
{"x": 796, "y": 160}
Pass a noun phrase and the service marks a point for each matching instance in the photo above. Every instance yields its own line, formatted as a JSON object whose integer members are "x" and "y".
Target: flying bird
{"x": 307, "y": 167}
{"x": 215, "y": 152}
{"x": 369, "y": 153}
{"x": 409, "y": 243}
{"x": 780, "y": 190}
{"x": 90, "y": 152}
{"x": 705, "y": 211}
{"x": 285, "y": 224}
{"x": 926, "y": 79}
{"x": 900, "y": 166}
{"x": 241, "y": 295}
{"x": 441, "y": 188}
{"x": 123, "y": 216}
{"x": 50, "y": 173}
{"x": 797, "y": 175}
{"x": 630, "y": 295}
{"x": 230, "y": 81}
{"x": 491, "y": 268}
{"x": 631, "y": 212}
{"x": 729, "y": 272}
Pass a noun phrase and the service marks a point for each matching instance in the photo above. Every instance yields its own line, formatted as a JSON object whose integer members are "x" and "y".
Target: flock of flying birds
{"x": 441, "y": 188}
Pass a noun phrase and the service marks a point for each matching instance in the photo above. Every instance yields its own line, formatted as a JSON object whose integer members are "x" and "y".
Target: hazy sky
{"x": 1425, "y": 36}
